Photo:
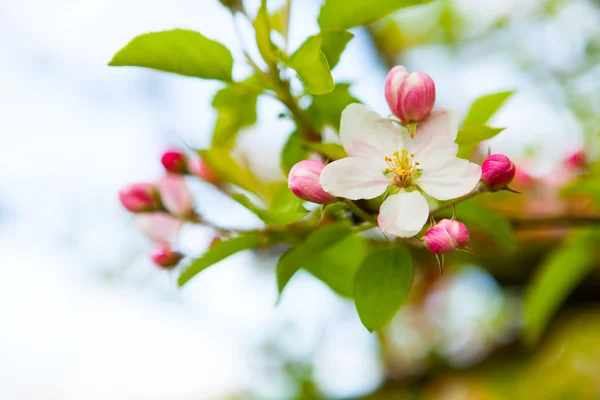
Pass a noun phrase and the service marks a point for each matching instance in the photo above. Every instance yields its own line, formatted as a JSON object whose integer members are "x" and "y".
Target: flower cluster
{"x": 162, "y": 207}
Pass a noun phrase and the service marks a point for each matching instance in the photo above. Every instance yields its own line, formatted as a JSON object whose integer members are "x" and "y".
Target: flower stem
{"x": 478, "y": 190}
{"x": 365, "y": 216}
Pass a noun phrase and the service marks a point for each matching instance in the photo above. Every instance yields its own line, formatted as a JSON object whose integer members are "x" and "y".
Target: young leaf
{"x": 311, "y": 66}
{"x": 494, "y": 224}
{"x": 220, "y": 251}
{"x": 178, "y": 51}
{"x": 469, "y": 137}
{"x": 262, "y": 27}
{"x": 279, "y": 20}
{"x": 484, "y": 107}
{"x": 381, "y": 286}
{"x": 236, "y": 109}
{"x": 293, "y": 152}
{"x": 228, "y": 169}
{"x": 277, "y": 217}
{"x": 327, "y": 109}
{"x": 333, "y": 45}
{"x": 345, "y": 14}
{"x": 317, "y": 242}
{"x": 560, "y": 273}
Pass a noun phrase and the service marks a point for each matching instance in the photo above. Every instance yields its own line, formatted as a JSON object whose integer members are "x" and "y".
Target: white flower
{"x": 381, "y": 153}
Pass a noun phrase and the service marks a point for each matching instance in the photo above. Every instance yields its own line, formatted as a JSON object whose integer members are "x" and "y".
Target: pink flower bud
{"x": 140, "y": 197}
{"x": 303, "y": 181}
{"x": 174, "y": 161}
{"x": 577, "y": 159}
{"x": 410, "y": 96}
{"x": 446, "y": 236}
{"x": 165, "y": 257}
{"x": 200, "y": 169}
{"x": 497, "y": 172}
{"x": 175, "y": 195}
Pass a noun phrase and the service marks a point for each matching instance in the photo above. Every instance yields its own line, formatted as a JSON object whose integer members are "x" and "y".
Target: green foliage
{"x": 473, "y": 134}
{"x": 333, "y": 45}
{"x": 494, "y": 224}
{"x": 326, "y": 110}
{"x": 284, "y": 212}
{"x": 178, "y": 51}
{"x": 319, "y": 241}
{"x": 220, "y": 251}
{"x": 345, "y": 14}
{"x": 221, "y": 163}
{"x": 279, "y": 20}
{"x": 293, "y": 152}
{"x": 484, "y": 107}
{"x": 236, "y": 108}
{"x": 560, "y": 273}
{"x": 233, "y": 5}
{"x": 381, "y": 286}
{"x": 310, "y": 64}
{"x": 331, "y": 151}
{"x": 587, "y": 185}
{"x": 262, "y": 27}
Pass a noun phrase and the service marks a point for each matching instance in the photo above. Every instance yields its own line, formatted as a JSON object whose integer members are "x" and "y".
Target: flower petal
{"x": 403, "y": 214}
{"x": 454, "y": 177}
{"x": 434, "y": 138}
{"x": 361, "y": 128}
{"x": 354, "y": 178}
{"x": 158, "y": 226}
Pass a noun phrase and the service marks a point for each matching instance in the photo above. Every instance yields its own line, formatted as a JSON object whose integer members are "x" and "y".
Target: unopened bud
{"x": 175, "y": 195}
{"x": 446, "y": 236}
{"x": 577, "y": 159}
{"x": 140, "y": 197}
{"x": 165, "y": 257}
{"x": 199, "y": 168}
{"x": 497, "y": 172}
{"x": 174, "y": 161}
{"x": 303, "y": 181}
{"x": 411, "y": 97}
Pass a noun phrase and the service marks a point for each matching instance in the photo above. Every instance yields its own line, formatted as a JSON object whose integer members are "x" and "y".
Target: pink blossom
{"x": 576, "y": 159}
{"x": 199, "y": 168}
{"x": 446, "y": 236}
{"x": 303, "y": 181}
{"x": 175, "y": 195}
{"x": 497, "y": 172}
{"x": 174, "y": 161}
{"x": 411, "y": 97}
{"x": 165, "y": 257}
{"x": 140, "y": 197}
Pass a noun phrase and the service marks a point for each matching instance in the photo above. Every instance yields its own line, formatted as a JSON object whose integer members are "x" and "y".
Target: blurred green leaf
{"x": 484, "y": 107}
{"x": 277, "y": 217}
{"x": 285, "y": 200}
{"x": 228, "y": 169}
{"x": 331, "y": 151}
{"x": 233, "y": 5}
{"x": 293, "y": 152}
{"x": 495, "y": 225}
{"x": 310, "y": 64}
{"x": 469, "y": 137}
{"x": 178, "y": 51}
{"x": 279, "y": 20}
{"x": 327, "y": 109}
{"x": 320, "y": 240}
{"x": 236, "y": 109}
{"x": 381, "y": 286}
{"x": 219, "y": 251}
{"x": 587, "y": 185}
{"x": 558, "y": 275}
{"x": 345, "y": 14}
{"x": 337, "y": 266}
{"x": 333, "y": 45}
{"x": 262, "y": 27}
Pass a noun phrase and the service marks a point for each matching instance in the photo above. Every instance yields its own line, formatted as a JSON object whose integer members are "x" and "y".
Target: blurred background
{"x": 85, "y": 315}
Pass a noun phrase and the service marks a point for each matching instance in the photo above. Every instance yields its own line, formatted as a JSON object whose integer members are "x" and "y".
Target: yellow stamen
{"x": 402, "y": 166}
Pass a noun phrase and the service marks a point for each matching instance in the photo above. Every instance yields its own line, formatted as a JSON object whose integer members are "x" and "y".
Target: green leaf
{"x": 220, "y": 251}
{"x": 327, "y": 109}
{"x": 293, "y": 152}
{"x": 559, "y": 274}
{"x": 311, "y": 66}
{"x": 262, "y": 27}
{"x": 285, "y": 200}
{"x": 332, "y": 151}
{"x": 178, "y": 51}
{"x": 381, "y": 286}
{"x": 233, "y": 5}
{"x": 277, "y": 217}
{"x": 494, "y": 224}
{"x": 469, "y": 137}
{"x": 221, "y": 163}
{"x": 484, "y": 107}
{"x": 337, "y": 266}
{"x": 345, "y": 14}
{"x": 236, "y": 109}
{"x": 333, "y": 45}
{"x": 317, "y": 242}
{"x": 587, "y": 185}
{"x": 279, "y": 20}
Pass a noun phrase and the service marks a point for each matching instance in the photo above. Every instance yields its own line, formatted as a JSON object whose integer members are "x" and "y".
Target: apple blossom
{"x": 165, "y": 257}
{"x": 446, "y": 236}
{"x": 199, "y": 168}
{"x": 410, "y": 96}
{"x": 303, "y": 181}
{"x": 175, "y": 161}
{"x": 497, "y": 172}
{"x": 158, "y": 226}
{"x": 140, "y": 197}
{"x": 383, "y": 154}
{"x": 175, "y": 195}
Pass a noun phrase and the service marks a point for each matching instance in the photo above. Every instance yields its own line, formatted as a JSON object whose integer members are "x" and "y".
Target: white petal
{"x": 354, "y": 178}
{"x": 361, "y": 127}
{"x": 158, "y": 226}
{"x": 434, "y": 138}
{"x": 455, "y": 177}
{"x": 403, "y": 214}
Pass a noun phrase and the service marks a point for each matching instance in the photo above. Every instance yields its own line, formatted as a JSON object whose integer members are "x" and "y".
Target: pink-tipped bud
{"x": 303, "y": 181}
{"x": 175, "y": 195}
{"x": 497, "y": 172}
{"x": 200, "y": 169}
{"x": 446, "y": 236}
{"x": 165, "y": 257}
{"x": 175, "y": 161}
{"x": 577, "y": 159}
{"x": 410, "y": 96}
{"x": 140, "y": 197}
